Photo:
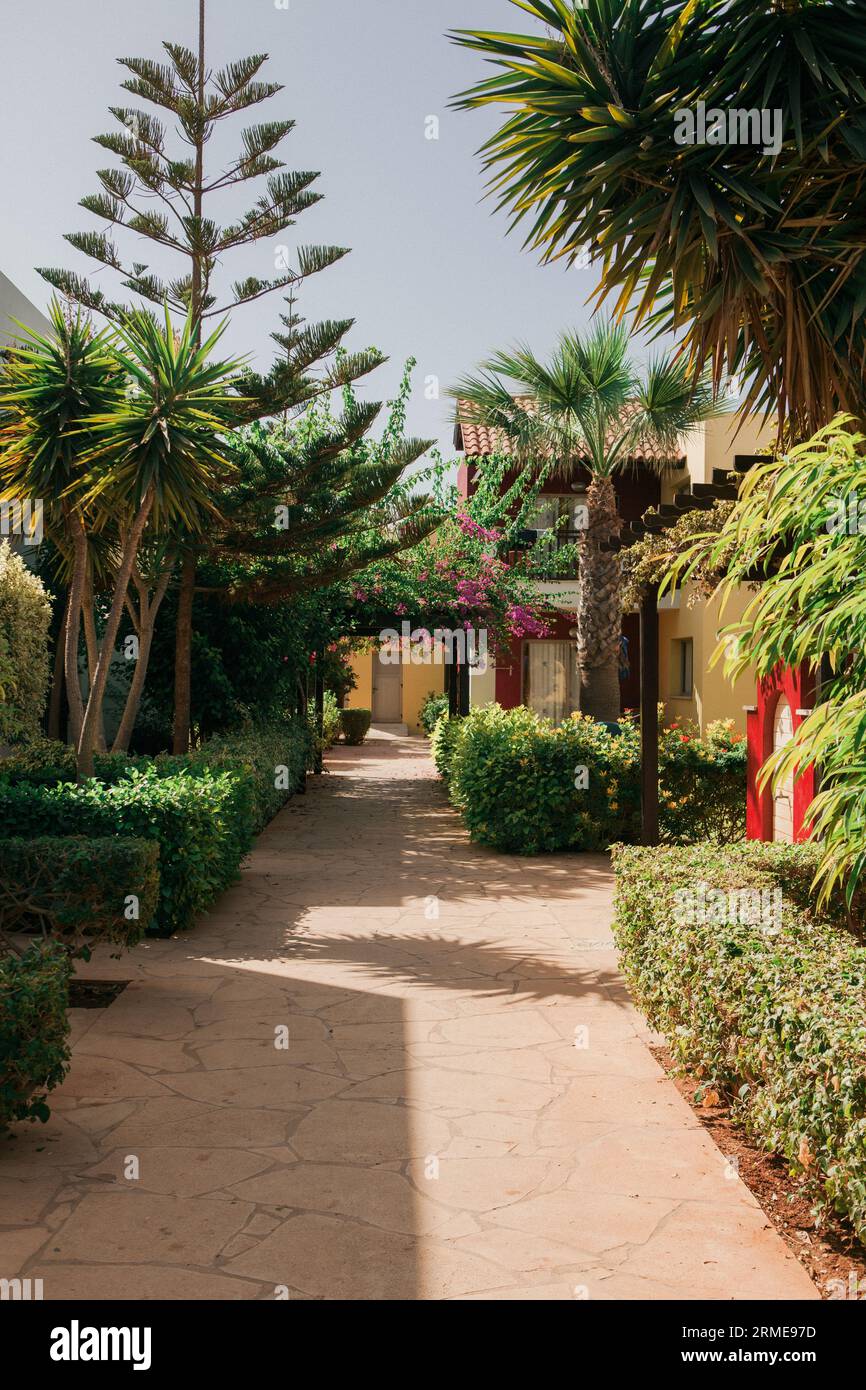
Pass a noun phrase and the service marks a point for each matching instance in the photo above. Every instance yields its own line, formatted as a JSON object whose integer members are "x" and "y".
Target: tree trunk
{"x": 92, "y": 646}
{"x": 55, "y": 704}
{"x": 93, "y": 713}
{"x": 146, "y": 626}
{"x": 183, "y": 657}
{"x": 599, "y": 618}
{"x": 73, "y": 623}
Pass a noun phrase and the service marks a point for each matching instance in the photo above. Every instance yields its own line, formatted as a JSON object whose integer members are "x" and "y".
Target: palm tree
{"x": 752, "y": 247}
{"x": 587, "y": 408}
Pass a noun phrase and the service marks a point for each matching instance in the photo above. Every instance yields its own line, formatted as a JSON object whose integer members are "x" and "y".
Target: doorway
{"x": 783, "y": 796}
{"x": 387, "y": 691}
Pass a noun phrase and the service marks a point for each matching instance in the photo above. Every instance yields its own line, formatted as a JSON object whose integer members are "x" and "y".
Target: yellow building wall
{"x": 714, "y": 696}
{"x": 361, "y": 663}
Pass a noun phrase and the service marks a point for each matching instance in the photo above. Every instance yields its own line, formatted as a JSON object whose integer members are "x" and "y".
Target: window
{"x": 682, "y": 668}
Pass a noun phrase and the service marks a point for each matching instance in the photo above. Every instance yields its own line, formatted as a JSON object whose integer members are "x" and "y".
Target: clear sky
{"x": 432, "y": 273}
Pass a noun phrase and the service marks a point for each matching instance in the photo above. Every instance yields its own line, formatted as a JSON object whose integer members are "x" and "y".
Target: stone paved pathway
{"x": 432, "y": 1131}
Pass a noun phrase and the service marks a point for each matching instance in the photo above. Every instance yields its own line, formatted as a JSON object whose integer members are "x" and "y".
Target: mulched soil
{"x": 830, "y": 1252}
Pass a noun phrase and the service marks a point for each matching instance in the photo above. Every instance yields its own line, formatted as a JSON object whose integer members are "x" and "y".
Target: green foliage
{"x": 797, "y": 527}
{"x": 446, "y": 733}
{"x": 525, "y": 786}
{"x": 34, "y": 1030}
{"x": 203, "y": 809}
{"x": 25, "y": 615}
{"x": 355, "y": 724}
{"x": 79, "y": 890}
{"x": 432, "y": 710}
{"x": 751, "y": 256}
{"x": 771, "y": 1014}
{"x": 331, "y": 725}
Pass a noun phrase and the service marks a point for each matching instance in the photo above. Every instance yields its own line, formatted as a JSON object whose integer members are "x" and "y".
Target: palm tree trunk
{"x": 93, "y": 713}
{"x": 146, "y": 626}
{"x": 92, "y": 646}
{"x": 183, "y": 657}
{"x": 599, "y": 618}
{"x": 73, "y": 623}
{"x": 55, "y": 704}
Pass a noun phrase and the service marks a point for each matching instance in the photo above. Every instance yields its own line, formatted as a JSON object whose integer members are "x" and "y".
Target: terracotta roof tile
{"x": 476, "y": 440}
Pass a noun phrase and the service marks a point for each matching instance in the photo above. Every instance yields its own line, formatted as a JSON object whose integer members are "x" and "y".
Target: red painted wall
{"x": 797, "y": 685}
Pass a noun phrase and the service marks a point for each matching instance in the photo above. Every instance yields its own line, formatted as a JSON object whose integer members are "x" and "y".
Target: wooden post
{"x": 453, "y": 693}
{"x": 649, "y": 722}
{"x": 463, "y": 689}
{"x": 320, "y": 705}
{"x": 302, "y": 716}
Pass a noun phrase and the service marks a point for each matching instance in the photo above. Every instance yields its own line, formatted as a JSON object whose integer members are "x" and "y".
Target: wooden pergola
{"x": 724, "y": 487}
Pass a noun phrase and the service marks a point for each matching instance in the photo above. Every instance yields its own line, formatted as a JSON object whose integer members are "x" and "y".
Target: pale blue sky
{"x": 431, "y": 273}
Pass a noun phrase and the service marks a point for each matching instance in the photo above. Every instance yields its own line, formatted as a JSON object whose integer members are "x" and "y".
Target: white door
{"x": 387, "y": 692}
{"x": 552, "y": 683}
{"x": 783, "y": 796}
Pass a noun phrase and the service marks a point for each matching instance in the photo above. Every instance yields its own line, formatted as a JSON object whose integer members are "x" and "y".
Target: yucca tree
{"x": 588, "y": 408}
{"x": 158, "y": 460}
{"x": 758, "y": 258}
{"x": 51, "y": 388}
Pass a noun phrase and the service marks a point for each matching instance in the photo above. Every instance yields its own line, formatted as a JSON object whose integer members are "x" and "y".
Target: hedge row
{"x": 34, "y": 1029}
{"x": 525, "y": 786}
{"x": 202, "y": 810}
{"x": 79, "y": 890}
{"x": 759, "y": 995}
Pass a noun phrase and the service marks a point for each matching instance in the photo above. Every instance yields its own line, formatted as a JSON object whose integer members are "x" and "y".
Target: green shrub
{"x": 203, "y": 809}
{"x": 203, "y": 824}
{"x": 355, "y": 724}
{"x": 331, "y": 726}
{"x": 79, "y": 890}
{"x": 443, "y": 742}
{"x": 525, "y": 786}
{"x": 25, "y": 615}
{"x": 770, "y": 1012}
{"x": 432, "y": 710}
{"x": 34, "y": 1029}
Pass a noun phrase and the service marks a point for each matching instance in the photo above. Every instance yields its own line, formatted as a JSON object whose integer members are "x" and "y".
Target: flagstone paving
{"x": 466, "y": 1108}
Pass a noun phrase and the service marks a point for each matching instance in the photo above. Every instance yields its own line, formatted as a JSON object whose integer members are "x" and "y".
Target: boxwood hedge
{"x": 78, "y": 890}
{"x": 767, "y": 1007}
{"x": 203, "y": 810}
{"x": 34, "y": 1029}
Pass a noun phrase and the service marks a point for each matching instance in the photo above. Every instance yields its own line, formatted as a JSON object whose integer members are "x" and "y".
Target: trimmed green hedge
{"x": 770, "y": 1012}
{"x": 79, "y": 890}
{"x": 34, "y": 1030}
{"x": 524, "y": 786}
{"x": 203, "y": 810}
{"x": 434, "y": 708}
{"x": 355, "y": 724}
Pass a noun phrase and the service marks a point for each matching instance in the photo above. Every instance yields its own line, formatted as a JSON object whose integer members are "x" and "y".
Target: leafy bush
{"x": 79, "y": 890}
{"x": 525, "y": 786}
{"x": 203, "y": 824}
{"x": 331, "y": 725}
{"x": 25, "y": 615}
{"x": 443, "y": 743}
{"x": 432, "y": 710}
{"x": 34, "y": 1029}
{"x": 203, "y": 808}
{"x": 771, "y": 1013}
{"x": 355, "y": 724}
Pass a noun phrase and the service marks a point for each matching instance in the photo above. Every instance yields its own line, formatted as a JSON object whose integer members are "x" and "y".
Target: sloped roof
{"x": 477, "y": 440}
{"x": 15, "y": 305}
